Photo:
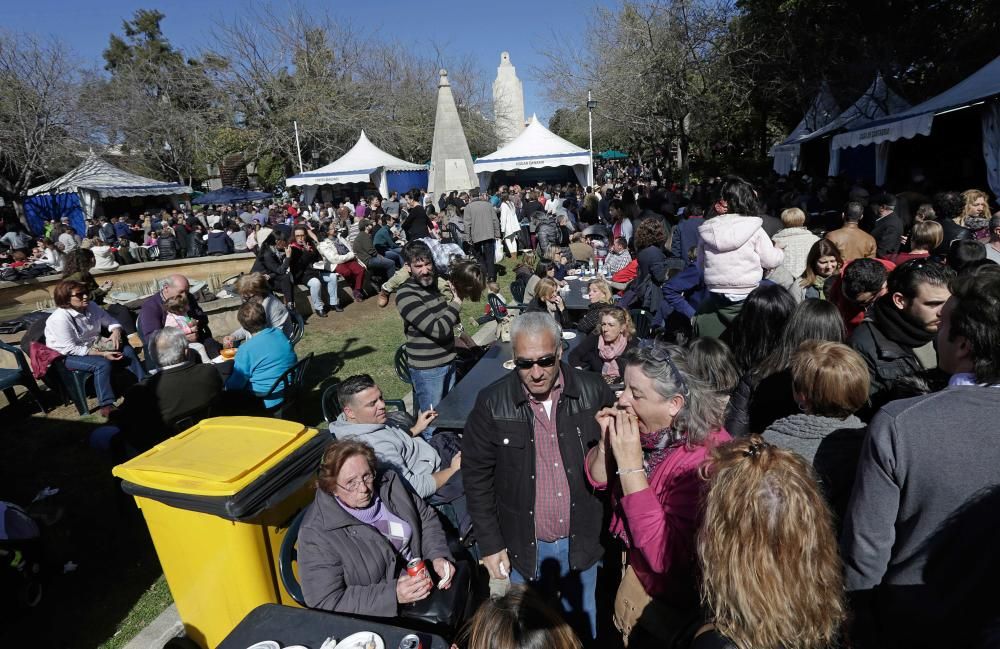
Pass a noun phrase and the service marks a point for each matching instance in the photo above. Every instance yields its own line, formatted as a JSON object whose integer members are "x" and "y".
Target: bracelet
{"x": 628, "y": 471}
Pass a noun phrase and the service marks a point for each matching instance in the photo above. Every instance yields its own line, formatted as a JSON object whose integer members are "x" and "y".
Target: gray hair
{"x": 535, "y": 323}
{"x": 667, "y": 366}
{"x": 169, "y": 346}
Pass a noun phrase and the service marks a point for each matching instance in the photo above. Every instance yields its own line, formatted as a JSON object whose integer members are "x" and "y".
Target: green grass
{"x": 152, "y": 602}
{"x": 363, "y": 339}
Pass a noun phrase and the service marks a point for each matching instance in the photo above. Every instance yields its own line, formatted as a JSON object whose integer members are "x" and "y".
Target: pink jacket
{"x": 733, "y": 251}
{"x": 659, "y": 524}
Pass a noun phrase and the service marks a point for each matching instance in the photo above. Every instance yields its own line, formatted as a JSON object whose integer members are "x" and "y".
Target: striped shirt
{"x": 429, "y": 324}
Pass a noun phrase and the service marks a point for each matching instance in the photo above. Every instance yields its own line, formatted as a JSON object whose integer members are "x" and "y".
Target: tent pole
{"x": 297, "y": 147}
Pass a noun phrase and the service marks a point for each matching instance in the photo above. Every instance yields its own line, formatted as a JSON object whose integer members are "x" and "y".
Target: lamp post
{"x": 591, "y": 104}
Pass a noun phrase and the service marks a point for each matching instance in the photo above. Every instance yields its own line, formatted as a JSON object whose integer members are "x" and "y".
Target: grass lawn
{"x": 118, "y": 586}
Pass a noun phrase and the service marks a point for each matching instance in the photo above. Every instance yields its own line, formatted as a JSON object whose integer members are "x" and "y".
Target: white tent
{"x": 821, "y": 112}
{"x": 918, "y": 120}
{"x": 363, "y": 163}
{"x": 95, "y": 179}
{"x": 536, "y": 147}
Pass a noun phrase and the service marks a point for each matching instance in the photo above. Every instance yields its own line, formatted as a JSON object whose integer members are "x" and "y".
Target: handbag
{"x": 446, "y": 607}
{"x": 671, "y": 626}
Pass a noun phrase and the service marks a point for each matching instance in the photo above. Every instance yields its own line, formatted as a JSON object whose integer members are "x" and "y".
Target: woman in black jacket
{"x": 167, "y": 245}
{"x": 605, "y": 352}
{"x": 272, "y": 262}
{"x": 650, "y": 238}
{"x": 548, "y": 300}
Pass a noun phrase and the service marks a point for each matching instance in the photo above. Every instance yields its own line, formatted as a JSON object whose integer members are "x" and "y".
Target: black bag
{"x": 444, "y": 607}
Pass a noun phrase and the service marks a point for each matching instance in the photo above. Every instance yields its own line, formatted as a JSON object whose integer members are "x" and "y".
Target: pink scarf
{"x": 609, "y": 352}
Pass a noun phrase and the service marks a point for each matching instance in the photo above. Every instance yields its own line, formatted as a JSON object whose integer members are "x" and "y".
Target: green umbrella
{"x": 611, "y": 154}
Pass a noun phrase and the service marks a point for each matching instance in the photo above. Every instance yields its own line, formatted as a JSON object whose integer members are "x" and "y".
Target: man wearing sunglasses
{"x": 523, "y": 448}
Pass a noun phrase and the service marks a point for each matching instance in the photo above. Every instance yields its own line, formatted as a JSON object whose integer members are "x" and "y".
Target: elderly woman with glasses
{"x": 74, "y": 330}
{"x": 360, "y": 532}
{"x": 653, "y": 443}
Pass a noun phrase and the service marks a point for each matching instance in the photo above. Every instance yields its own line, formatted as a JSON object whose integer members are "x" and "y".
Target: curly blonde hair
{"x": 768, "y": 553}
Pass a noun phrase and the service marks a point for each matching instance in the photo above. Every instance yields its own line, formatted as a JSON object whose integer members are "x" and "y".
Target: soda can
{"x": 415, "y": 566}
{"x": 410, "y": 641}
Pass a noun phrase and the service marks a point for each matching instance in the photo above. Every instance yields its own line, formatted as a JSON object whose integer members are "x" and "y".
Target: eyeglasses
{"x": 527, "y": 363}
{"x": 355, "y": 484}
{"x": 82, "y": 296}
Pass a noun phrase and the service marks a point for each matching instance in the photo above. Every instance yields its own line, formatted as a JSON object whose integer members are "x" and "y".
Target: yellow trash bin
{"x": 218, "y": 499}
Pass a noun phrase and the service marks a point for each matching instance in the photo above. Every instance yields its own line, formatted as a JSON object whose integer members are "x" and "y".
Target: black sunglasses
{"x": 526, "y": 363}
{"x": 80, "y": 295}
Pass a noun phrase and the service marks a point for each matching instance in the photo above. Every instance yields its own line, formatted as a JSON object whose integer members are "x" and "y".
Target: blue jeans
{"x": 575, "y": 589}
{"x": 394, "y": 255}
{"x": 429, "y": 387}
{"x": 382, "y": 264}
{"x": 316, "y": 290}
{"x": 101, "y": 367}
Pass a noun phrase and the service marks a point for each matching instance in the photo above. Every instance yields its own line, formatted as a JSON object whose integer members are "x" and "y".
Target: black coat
{"x": 952, "y": 232}
{"x": 587, "y": 356}
{"x": 887, "y": 232}
{"x": 267, "y": 262}
{"x": 416, "y": 225}
{"x": 498, "y": 467}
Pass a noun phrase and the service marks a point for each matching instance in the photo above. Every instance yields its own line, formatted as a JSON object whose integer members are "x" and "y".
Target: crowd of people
{"x": 797, "y": 451}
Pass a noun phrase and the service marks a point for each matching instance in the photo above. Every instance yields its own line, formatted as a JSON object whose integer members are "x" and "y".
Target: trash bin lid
{"x": 217, "y": 457}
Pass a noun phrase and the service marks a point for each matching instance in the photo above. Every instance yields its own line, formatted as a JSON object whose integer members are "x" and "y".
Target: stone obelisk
{"x": 508, "y": 101}
{"x": 451, "y": 161}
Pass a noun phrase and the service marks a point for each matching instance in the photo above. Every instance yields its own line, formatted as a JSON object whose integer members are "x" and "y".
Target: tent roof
{"x": 108, "y": 181}
{"x": 981, "y": 84}
{"x": 822, "y": 111}
{"x": 875, "y": 103}
{"x": 354, "y": 166}
{"x": 536, "y": 146}
{"x": 225, "y": 195}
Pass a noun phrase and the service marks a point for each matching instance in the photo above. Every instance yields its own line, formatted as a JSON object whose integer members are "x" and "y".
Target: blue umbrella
{"x": 227, "y": 195}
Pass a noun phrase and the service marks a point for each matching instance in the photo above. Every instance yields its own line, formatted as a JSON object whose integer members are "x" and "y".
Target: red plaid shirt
{"x": 552, "y": 502}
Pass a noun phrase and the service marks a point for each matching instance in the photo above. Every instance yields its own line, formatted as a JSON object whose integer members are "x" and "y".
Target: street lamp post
{"x": 591, "y": 104}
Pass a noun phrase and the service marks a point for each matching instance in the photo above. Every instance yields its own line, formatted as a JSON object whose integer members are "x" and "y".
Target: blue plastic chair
{"x": 21, "y": 376}
{"x": 288, "y": 556}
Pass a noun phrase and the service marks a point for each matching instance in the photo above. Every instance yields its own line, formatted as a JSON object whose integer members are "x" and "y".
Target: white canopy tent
{"x": 822, "y": 111}
{"x": 918, "y": 120}
{"x": 536, "y": 147}
{"x": 96, "y": 179}
{"x": 363, "y": 163}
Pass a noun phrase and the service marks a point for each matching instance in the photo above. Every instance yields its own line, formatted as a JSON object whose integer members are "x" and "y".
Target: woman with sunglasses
{"x": 653, "y": 442}
{"x": 359, "y": 533}
{"x": 74, "y": 329}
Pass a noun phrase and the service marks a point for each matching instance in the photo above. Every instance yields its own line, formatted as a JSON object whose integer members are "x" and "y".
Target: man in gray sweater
{"x": 415, "y": 460}
{"x": 920, "y": 535}
{"x": 483, "y": 228}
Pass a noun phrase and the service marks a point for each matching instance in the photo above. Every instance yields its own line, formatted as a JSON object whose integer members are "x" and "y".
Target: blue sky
{"x": 477, "y": 28}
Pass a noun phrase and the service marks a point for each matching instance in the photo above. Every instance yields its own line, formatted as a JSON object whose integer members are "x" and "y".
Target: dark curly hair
{"x": 650, "y": 233}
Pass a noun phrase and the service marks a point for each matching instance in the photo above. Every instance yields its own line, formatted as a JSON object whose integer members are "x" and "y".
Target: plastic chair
{"x": 21, "y": 376}
{"x": 499, "y": 309}
{"x": 72, "y": 383}
{"x": 288, "y": 556}
{"x": 401, "y": 363}
{"x": 298, "y": 327}
{"x": 287, "y": 387}
{"x": 643, "y": 323}
{"x": 517, "y": 288}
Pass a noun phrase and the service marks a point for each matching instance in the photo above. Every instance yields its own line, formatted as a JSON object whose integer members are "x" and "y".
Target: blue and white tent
{"x": 822, "y": 111}
{"x": 536, "y": 147}
{"x": 77, "y": 194}
{"x": 363, "y": 163}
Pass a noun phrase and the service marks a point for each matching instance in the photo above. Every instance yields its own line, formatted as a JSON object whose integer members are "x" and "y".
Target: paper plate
{"x": 509, "y": 365}
{"x": 568, "y": 335}
{"x": 361, "y": 640}
{"x": 266, "y": 644}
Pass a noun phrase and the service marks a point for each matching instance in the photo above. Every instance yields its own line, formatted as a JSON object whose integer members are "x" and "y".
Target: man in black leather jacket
{"x": 535, "y": 517}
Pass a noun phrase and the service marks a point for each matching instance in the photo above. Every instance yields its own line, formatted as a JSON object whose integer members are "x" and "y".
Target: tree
{"x": 662, "y": 73}
{"x": 39, "y": 122}
{"x": 162, "y": 109}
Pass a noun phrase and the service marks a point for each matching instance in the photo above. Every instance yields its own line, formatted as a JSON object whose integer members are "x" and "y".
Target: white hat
{"x": 263, "y": 234}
